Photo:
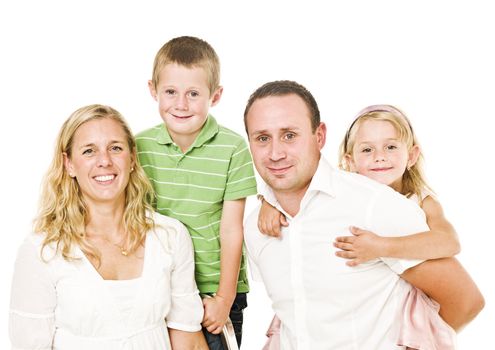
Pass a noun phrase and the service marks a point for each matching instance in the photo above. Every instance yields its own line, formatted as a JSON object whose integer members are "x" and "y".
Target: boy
{"x": 202, "y": 173}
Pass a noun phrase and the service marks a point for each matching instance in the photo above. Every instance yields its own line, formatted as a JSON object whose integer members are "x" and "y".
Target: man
{"x": 321, "y": 302}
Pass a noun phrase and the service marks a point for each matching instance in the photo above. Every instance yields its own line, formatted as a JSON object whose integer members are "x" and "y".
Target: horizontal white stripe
{"x": 188, "y": 185}
{"x": 186, "y": 214}
{"x": 239, "y": 167}
{"x": 241, "y": 180}
{"x": 188, "y": 200}
{"x": 183, "y": 170}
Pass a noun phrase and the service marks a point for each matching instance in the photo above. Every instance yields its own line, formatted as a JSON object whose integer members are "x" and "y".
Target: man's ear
{"x": 321, "y": 135}
{"x": 152, "y": 89}
{"x": 414, "y": 153}
{"x": 215, "y": 98}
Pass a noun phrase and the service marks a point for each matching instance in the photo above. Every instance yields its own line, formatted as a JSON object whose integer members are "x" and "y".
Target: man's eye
{"x": 263, "y": 138}
{"x": 289, "y": 136}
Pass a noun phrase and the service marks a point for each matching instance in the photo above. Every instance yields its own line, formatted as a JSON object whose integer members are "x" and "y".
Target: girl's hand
{"x": 270, "y": 220}
{"x": 359, "y": 248}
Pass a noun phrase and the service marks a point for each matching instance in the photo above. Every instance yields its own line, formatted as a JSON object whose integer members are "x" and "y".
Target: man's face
{"x": 285, "y": 150}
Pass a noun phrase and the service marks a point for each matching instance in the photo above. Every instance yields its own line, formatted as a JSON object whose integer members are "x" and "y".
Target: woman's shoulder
{"x": 168, "y": 229}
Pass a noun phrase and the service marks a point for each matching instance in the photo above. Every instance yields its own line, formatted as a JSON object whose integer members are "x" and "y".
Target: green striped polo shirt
{"x": 192, "y": 186}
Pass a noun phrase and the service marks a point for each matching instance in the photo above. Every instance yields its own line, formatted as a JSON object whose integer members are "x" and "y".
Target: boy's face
{"x": 183, "y": 100}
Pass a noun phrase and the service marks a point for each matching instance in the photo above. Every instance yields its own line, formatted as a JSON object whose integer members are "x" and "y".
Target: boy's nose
{"x": 182, "y": 102}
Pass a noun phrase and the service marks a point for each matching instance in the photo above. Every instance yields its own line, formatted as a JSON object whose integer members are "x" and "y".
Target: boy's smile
{"x": 183, "y": 100}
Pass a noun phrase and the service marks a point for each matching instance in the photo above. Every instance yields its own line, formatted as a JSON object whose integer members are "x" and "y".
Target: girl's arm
{"x": 270, "y": 220}
{"x": 440, "y": 242}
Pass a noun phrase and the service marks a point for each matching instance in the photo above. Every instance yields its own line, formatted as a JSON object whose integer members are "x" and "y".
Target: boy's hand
{"x": 359, "y": 248}
{"x": 270, "y": 220}
{"x": 216, "y": 314}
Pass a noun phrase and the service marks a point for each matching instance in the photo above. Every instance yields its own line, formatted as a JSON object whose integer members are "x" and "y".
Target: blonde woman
{"x": 102, "y": 270}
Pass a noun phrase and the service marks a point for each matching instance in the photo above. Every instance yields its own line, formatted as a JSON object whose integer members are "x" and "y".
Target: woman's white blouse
{"x": 67, "y": 305}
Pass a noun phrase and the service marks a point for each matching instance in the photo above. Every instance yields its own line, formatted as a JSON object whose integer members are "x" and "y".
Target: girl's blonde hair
{"x": 413, "y": 179}
{"x": 63, "y": 214}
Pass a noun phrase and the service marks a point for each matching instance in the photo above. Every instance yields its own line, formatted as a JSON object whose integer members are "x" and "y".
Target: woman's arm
{"x": 440, "y": 242}
{"x": 32, "y": 301}
{"x": 181, "y": 340}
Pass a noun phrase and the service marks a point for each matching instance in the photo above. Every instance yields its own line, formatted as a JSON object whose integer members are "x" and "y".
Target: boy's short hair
{"x": 283, "y": 88}
{"x": 190, "y": 52}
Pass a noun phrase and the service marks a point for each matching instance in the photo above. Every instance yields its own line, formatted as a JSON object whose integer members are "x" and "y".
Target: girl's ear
{"x": 349, "y": 162}
{"x": 414, "y": 153}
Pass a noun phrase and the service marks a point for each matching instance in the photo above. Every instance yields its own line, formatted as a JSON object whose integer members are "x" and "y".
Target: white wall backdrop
{"x": 433, "y": 59}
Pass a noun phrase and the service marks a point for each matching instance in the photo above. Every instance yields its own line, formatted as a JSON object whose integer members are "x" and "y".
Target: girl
{"x": 380, "y": 144}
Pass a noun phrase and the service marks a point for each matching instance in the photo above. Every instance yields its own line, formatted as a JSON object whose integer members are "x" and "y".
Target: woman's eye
{"x": 117, "y": 149}
{"x": 88, "y": 152}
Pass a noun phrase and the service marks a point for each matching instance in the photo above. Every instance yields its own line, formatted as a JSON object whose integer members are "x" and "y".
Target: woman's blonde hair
{"x": 413, "y": 179}
{"x": 63, "y": 214}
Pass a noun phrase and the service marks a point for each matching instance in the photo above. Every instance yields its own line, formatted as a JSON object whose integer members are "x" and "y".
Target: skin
{"x": 285, "y": 150}
{"x": 183, "y": 100}
{"x": 444, "y": 280}
{"x": 101, "y": 162}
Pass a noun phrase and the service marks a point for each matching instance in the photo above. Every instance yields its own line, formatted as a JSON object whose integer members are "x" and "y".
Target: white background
{"x": 433, "y": 59}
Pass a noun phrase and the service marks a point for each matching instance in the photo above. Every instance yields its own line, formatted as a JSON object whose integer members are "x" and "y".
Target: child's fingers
{"x": 345, "y": 254}
{"x": 345, "y": 239}
{"x": 283, "y": 220}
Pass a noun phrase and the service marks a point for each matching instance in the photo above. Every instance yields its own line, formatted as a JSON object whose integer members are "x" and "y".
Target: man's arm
{"x": 231, "y": 237}
{"x": 449, "y": 284}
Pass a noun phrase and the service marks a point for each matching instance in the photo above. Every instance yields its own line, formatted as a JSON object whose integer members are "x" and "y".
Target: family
{"x": 138, "y": 242}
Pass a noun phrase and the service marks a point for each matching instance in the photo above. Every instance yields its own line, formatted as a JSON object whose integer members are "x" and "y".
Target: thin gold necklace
{"x": 123, "y": 250}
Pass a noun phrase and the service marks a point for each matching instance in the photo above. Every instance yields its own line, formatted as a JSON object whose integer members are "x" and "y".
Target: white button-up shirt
{"x": 322, "y": 302}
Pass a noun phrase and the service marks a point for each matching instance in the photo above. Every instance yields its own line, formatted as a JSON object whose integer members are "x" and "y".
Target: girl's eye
{"x": 366, "y": 150}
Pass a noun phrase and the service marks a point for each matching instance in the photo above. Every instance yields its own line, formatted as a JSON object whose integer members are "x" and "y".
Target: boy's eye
{"x": 194, "y": 94}
{"x": 170, "y": 92}
{"x": 391, "y": 147}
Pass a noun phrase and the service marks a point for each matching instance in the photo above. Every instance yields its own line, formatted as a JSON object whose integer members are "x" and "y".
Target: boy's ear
{"x": 215, "y": 98}
{"x": 413, "y": 156}
{"x": 152, "y": 89}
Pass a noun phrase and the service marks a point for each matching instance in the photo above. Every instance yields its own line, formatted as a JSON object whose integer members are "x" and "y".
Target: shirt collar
{"x": 208, "y": 131}
{"x": 322, "y": 181}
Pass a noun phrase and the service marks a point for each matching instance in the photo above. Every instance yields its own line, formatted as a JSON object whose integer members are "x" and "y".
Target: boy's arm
{"x": 182, "y": 340}
{"x": 440, "y": 242}
{"x": 270, "y": 219}
{"x": 448, "y": 283}
{"x": 231, "y": 238}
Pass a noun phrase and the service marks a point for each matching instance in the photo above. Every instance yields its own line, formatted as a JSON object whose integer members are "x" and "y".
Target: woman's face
{"x": 101, "y": 161}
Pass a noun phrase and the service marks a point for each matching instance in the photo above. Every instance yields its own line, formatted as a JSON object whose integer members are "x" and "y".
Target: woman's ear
{"x": 68, "y": 165}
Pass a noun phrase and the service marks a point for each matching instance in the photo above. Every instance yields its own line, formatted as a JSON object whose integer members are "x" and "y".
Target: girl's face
{"x": 379, "y": 154}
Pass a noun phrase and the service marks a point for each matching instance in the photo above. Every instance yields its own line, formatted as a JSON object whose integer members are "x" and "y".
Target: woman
{"x": 102, "y": 270}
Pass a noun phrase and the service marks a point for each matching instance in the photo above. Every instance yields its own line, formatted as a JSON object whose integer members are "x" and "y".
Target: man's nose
{"x": 277, "y": 151}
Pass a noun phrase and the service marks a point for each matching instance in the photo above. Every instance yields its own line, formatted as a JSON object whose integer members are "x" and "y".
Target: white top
{"x": 322, "y": 302}
{"x": 68, "y": 305}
